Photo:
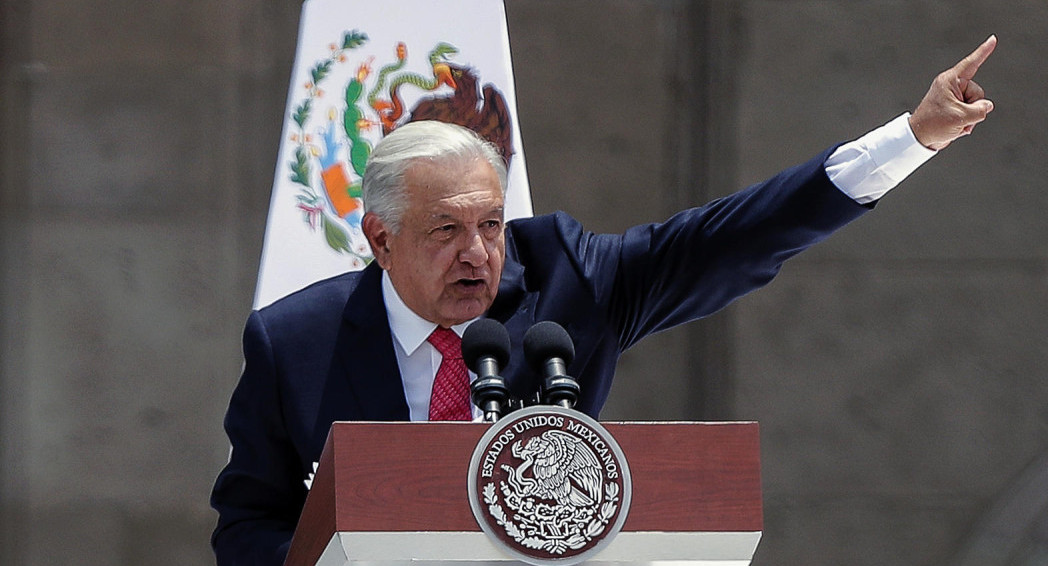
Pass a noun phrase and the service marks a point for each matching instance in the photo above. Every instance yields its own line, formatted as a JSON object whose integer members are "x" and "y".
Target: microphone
{"x": 485, "y": 349}
{"x": 548, "y": 350}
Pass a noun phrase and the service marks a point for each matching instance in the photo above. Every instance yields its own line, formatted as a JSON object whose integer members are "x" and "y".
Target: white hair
{"x": 436, "y": 142}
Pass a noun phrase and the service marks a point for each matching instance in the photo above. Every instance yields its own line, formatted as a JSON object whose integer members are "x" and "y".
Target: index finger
{"x": 968, "y": 66}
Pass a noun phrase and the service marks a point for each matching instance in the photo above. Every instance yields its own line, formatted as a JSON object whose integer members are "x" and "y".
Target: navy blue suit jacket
{"x": 325, "y": 353}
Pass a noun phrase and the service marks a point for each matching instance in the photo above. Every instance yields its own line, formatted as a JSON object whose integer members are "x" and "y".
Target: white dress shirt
{"x": 867, "y": 168}
{"x": 418, "y": 359}
{"x": 864, "y": 169}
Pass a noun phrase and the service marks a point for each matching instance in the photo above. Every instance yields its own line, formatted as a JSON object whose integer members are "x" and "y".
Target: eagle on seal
{"x": 563, "y": 468}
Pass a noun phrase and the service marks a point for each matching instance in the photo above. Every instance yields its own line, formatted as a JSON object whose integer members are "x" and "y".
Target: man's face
{"x": 446, "y": 260}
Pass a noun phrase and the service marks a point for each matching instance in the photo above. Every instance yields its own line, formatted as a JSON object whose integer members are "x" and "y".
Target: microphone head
{"x": 546, "y": 340}
{"x": 485, "y": 338}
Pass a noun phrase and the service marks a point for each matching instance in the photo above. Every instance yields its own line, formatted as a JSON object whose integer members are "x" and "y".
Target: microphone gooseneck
{"x": 485, "y": 349}
{"x": 548, "y": 349}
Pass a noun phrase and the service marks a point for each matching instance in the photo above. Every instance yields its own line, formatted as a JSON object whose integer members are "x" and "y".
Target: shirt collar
{"x": 408, "y": 328}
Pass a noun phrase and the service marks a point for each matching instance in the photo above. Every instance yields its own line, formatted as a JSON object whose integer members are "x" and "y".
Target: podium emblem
{"x": 549, "y": 485}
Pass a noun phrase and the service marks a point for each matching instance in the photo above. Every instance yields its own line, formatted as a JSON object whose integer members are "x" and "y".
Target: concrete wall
{"x": 897, "y": 369}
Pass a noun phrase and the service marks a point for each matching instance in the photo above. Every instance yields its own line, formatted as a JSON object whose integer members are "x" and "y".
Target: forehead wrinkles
{"x": 436, "y": 191}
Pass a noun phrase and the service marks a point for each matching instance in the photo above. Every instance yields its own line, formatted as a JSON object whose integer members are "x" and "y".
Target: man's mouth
{"x": 470, "y": 283}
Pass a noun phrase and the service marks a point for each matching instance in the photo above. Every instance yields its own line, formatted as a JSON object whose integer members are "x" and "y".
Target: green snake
{"x": 392, "y": 110}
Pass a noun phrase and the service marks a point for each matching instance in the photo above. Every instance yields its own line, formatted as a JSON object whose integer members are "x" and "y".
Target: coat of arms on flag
{"x": 360, "y": 72}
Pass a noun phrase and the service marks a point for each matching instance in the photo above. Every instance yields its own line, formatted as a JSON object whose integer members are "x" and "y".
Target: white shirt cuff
{"x": 867, "y": 168}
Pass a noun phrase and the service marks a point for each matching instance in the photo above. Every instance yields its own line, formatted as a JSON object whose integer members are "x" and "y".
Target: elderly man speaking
{"x": 382, "y": 343}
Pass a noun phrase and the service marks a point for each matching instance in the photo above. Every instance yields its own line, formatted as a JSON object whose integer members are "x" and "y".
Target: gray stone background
{"x": 898, "y": 370}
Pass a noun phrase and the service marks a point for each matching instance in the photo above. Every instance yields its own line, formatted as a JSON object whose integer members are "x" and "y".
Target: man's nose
{"x": 473, "y": 251}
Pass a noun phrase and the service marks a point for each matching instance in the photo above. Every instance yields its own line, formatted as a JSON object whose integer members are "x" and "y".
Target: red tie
{"x": 450, "y": 398}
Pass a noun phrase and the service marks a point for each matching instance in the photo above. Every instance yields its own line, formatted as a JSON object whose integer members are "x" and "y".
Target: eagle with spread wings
{"x": 563, "y": 468}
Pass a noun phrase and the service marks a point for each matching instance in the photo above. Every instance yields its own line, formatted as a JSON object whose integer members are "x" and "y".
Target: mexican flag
{"x": 361, "y": 70}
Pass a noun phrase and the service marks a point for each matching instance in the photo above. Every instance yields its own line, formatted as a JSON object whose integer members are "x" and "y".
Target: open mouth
{"x": 470, "y": 283}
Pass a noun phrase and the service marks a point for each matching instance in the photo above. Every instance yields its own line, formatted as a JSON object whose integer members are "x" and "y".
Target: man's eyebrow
{"x": 443, "y": 216}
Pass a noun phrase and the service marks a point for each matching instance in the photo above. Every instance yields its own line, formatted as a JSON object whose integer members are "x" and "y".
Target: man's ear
{"x": 377, "y": 234}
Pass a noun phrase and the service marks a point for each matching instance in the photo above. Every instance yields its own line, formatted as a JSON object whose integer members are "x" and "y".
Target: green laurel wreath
{"x": 310, "y": 200}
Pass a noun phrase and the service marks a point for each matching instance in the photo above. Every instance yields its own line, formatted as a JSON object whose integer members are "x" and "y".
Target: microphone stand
{"x": 559, "y": 388}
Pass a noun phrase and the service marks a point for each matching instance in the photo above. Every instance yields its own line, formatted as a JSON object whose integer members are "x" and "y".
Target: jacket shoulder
{"x": 325, "y": 298}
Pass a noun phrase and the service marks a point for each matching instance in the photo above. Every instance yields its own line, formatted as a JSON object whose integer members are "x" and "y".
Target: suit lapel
{"x": 365, "y": 351}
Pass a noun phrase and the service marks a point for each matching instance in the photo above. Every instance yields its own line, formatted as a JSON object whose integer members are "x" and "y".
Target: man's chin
{"x": 467, "y": 309}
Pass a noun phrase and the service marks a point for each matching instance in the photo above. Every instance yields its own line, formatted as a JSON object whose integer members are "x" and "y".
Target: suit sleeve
{"x": 260, "y": 493}
{"x": 702, "y": 259}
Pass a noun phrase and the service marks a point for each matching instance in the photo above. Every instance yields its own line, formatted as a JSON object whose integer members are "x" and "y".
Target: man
{"x": 356, "y": 347}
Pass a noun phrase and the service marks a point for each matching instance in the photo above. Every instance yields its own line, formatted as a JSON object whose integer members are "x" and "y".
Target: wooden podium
{"x": 394, "y": 493}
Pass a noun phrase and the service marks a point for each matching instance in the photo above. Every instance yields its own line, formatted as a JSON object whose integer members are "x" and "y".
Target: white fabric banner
{"x": 361, "y": 70}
